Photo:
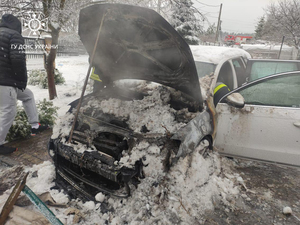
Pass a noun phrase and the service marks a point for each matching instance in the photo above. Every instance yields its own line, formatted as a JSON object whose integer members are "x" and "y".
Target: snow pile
{"x": 182, "y": 195}
{"x": 152, "y": 111}
{"x": 62, "y": 126}
{"x": 40, "y": 180}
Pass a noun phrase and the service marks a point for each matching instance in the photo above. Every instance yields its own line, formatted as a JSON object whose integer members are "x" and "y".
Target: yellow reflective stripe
{"x": 95, "y": 76}
{"x": 219, "y": 87}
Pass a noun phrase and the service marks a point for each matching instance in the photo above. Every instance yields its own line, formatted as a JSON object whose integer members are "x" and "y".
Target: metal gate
{"x": 34, "y": 47}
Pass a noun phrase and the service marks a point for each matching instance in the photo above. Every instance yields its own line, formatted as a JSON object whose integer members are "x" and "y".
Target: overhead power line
{"x": 207, "y": 4}
{"x": 217, "y": 12}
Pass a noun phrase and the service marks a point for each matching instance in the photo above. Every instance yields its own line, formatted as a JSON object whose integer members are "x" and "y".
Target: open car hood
{"x": 137, "y": 43}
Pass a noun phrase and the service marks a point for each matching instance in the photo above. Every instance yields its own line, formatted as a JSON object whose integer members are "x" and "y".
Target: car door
{"x": 268, "y": 126}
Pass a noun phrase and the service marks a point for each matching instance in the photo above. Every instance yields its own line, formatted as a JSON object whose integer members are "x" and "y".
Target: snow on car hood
{"x": 138, "y": 43}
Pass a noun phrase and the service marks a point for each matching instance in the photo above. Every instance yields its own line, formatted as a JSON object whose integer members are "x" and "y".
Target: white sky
{"x": 237, "y": 16}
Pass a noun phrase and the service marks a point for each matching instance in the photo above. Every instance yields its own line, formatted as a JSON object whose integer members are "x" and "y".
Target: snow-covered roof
{"x": 214, "y": 54}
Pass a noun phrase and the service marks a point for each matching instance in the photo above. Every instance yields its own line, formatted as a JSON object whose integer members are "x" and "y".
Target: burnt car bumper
{"x": 93, "y": 172}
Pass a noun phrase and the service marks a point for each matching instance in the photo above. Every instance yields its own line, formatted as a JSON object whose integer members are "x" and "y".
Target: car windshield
{"x": 204, "y": 68}
{"x": 262, "y": 69}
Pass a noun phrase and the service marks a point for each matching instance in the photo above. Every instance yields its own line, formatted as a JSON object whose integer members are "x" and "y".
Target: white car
{"x": 221, "y": 62}
{"x": 268, "y": 126}
{"x": 262, "y": 121}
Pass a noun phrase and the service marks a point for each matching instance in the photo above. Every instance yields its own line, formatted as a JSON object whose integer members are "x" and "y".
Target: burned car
{"x": 104, "y": 151}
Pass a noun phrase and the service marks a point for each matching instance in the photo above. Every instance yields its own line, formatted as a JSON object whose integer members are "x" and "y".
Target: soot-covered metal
{"x": 138, "y": 43}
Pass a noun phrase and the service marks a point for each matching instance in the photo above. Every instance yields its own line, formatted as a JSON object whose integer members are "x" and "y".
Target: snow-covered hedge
{"x": 39, "y": 78}
{"x": 21, "y": 127}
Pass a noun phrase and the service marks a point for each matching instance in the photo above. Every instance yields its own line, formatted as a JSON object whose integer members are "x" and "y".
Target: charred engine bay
{"x": 105, "y": 135}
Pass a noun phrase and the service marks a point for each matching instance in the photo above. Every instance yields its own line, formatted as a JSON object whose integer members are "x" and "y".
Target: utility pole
{"x": 159, "y": 5}
{"x": 219, "y": 23}
{"x": 281, "y": 47}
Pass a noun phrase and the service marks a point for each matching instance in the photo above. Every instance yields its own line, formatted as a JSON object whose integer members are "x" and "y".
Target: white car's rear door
{"x": 268, "y": 127}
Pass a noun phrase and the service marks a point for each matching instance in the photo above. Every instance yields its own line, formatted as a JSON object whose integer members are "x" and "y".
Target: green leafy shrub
{"x": 21, "y": 127}
{"x": 47, "y": 112}
{"x": 39, "y": 78}
{"x": 58, "y": 77}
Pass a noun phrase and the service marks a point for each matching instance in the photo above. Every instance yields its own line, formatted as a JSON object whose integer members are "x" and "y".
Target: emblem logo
{"x": 34, "y": 22}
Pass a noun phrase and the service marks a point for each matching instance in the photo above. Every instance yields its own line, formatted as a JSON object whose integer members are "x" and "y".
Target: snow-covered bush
{"x": 39, "y": 78}
{"x": 58, "y": 77}
{"x": 47, "y": 112}
{"x": 21, "y": 127}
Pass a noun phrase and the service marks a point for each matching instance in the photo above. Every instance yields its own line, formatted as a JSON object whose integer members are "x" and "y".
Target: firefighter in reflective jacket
{"x": 95, "y": 75}
{"x": 220, "y": 90}
{"x": 98, "y": 84}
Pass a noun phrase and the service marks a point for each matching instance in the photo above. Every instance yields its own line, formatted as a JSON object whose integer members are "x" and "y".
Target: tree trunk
{"x": 50, "y": 66}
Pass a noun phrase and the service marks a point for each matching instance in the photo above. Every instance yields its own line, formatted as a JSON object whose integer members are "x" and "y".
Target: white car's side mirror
{"x": 236, "y": 100}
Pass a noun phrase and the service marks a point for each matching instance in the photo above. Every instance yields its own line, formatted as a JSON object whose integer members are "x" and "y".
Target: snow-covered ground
{"x": 181, "y": 196}
{"x": 74, "y": 70}
{"x": 271, "y": 51}
{"x": 266, "y": 47}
